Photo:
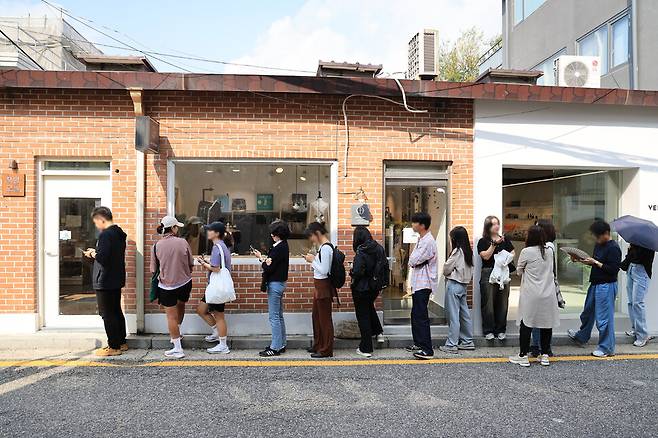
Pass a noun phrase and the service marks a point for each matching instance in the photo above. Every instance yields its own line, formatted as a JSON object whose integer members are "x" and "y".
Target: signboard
{"x": 409, "y": 235}
{"x": 13, "y": 183}
{"x": 147, "y": 134}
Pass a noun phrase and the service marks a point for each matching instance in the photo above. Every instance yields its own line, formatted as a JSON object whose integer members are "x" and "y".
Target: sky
{"x": 292, "y": 34}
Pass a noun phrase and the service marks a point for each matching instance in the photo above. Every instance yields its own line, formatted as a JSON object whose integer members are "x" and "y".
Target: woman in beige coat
{"x": 538, "y": 307}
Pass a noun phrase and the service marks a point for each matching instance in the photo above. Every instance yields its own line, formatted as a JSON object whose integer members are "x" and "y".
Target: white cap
{"x": 170, "y": 221}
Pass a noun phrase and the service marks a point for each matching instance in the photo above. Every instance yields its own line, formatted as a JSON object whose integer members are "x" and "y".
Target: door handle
{"x": 52, "y": 254}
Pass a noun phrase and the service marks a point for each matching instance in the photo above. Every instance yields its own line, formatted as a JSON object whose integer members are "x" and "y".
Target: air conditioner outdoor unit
{"x": 578, "y": 71}
{"x": 423, "y": 55}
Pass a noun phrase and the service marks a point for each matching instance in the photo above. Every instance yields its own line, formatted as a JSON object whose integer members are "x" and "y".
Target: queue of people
{"x": 540, "y": 296}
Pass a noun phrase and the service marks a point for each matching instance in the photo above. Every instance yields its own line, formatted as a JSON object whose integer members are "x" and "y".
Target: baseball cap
{"x": 170, "y": 221}
{"x": 217, "y": 227}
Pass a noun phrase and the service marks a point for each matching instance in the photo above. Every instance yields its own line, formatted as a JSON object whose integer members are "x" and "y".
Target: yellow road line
{"x": 300, "y": 363}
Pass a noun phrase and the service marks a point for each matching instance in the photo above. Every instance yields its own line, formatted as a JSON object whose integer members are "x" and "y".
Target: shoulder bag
{"x": 558, "y": 293}
{"x": 220, "y": 287}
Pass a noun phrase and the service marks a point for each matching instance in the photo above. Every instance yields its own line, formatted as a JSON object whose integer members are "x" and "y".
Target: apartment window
{"x": 523, "y": 9}
{"x": 620, "y": 41}
{"x": 610, "y": 42}
{"x": 548, "y": 67}
{"x": 248, "y": 197}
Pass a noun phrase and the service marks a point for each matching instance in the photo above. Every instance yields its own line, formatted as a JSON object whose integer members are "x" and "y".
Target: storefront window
{"x": 248, "y": 197}
{"x": 572, "y": 199}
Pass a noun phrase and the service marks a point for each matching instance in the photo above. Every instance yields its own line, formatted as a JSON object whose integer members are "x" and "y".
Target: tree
{"x": 459, "y": 62}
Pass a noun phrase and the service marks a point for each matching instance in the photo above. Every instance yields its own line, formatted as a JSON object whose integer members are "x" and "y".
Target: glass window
{"x": 76, "y": 165}
{"x": 248, "y": 197}
{"x": 620, "y": 46}
{"x": 523, "y": 9}
{"x": 548, "y": 67}
{"x": 572, "y": 199}
{"x": 596, "y": 44}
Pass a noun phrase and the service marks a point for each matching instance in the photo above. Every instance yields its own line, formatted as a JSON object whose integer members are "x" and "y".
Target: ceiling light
{"x": 236, "y": 170}
{"x": 279, "y": 170}
{"x": 209, "y": 171}
{"x": 303, "y": 178}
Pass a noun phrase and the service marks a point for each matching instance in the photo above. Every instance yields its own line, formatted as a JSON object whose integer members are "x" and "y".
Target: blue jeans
{"x": 275, "y": 291}
{"x": 600, "y": 308}
{"x": 420, "y": 320}
{"x": 637, "y": 285}
{"x": 460, "y": 325}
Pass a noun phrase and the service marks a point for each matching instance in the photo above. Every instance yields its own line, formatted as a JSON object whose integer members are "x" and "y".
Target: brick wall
{"x": 81, "y": 124}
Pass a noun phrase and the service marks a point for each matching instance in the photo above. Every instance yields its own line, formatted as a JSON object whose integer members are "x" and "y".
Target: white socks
{"x": 222, "y": 341}
{"x": 177, "y": 345}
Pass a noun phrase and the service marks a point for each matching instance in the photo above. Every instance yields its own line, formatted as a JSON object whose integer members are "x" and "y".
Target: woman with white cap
{"x": 172, "y": 257}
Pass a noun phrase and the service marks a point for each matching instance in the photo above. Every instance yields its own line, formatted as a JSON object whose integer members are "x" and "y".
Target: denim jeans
{"x": 637, "y": 284}
{"x": 420, "y": 320}
{"x": 460, "y": 325}
{"x": 275, "y": 291}
{"x": 600, "y": 308}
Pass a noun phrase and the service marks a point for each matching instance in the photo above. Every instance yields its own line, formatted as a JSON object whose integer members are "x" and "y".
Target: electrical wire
{"x": 20, "y": 49}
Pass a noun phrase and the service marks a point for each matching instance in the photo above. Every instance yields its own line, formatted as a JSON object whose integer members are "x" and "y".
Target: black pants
{"x": 546, "y": 334}
{"x": 366, "y": 315}
{"x": 109, "y": 308}
{"x": 420, "y": 320}
{"x": 494, "y": 304}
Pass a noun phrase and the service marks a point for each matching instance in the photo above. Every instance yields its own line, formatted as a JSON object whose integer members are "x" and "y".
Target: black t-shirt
{"x": 485, "y": 243}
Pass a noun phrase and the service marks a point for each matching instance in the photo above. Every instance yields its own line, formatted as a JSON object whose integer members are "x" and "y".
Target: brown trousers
{"x": 323, "y": 325}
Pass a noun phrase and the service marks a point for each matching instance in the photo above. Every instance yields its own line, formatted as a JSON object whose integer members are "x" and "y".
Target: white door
{"x": 67, "y": 202}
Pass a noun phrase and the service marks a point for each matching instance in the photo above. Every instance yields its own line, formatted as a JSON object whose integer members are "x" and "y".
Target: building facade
{"x": 250, "y": 149}
{"x": 621, "y": 32}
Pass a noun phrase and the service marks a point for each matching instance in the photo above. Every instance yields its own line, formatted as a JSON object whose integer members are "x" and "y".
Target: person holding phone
{"x": 213, "y": 314}
{"x": 275, "y": 275}
{"x": 173, "y": 256}
{"x": 494, "y": 301}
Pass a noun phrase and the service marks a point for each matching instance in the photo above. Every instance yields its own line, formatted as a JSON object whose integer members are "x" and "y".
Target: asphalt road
{"x": 594, "y": 398}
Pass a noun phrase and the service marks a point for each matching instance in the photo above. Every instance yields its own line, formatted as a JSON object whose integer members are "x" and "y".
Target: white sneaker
{"x": 544, "y": 360}
{"x": 630, "y": 333}
{"x": 211, "y": 338}
{"x": 219, "y": 348}
{"x": 380, "y": 339}
{"x": 502, "y": 336}
{"x": 640, "y": 343}
{"x": 489, "y": 337}
{"x": 599, "y": 353}
{"x": 361, "y": 353}
{"x": 174, "y": 354}
{"x": 520, "y": 360}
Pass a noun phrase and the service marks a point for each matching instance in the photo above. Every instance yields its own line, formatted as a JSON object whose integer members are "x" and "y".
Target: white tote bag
{"x": 220, "y": 288}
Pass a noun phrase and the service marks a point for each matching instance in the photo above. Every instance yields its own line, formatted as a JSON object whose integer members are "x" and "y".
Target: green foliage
{"x": 458, "y": 61}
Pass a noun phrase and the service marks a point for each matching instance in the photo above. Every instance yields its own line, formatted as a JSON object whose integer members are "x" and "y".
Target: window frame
{"x": 553, "y": 57}
{"x": 523, "y": 14}
{"x": 245, "y": 260}
{"x": 608, "y": 25}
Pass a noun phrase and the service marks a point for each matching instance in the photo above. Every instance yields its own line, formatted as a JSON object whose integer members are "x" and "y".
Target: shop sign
{"x": 409, "y": 235}
{"x": 13, "y": 184}
{"x": 653, "y": 207}
{"x": 361, "y": 214}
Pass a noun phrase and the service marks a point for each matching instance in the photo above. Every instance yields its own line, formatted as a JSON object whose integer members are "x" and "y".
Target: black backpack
{"x": 381, "y": 278}
{"x": 337, "y": 273}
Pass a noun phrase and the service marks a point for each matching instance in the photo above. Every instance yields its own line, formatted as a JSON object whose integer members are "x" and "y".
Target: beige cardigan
{"x": 537, "y": 299}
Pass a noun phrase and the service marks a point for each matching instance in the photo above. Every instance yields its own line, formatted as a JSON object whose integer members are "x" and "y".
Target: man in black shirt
{"x": 600, "y": 301}
{"x": 109, "y": 276}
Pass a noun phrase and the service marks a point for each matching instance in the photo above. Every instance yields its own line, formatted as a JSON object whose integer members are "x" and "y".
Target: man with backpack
{"x": 328, "y": 277}
{"x": 370, "y": 275}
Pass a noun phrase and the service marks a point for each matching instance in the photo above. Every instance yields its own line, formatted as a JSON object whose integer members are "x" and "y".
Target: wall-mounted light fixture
{"x": 13, "y": 165}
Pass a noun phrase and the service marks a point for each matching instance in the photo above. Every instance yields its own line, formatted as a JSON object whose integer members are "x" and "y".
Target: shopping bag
{"x": 220, "y": 287}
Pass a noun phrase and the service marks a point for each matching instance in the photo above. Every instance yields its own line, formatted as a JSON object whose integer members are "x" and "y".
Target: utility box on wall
{"x": 147, "y": 134}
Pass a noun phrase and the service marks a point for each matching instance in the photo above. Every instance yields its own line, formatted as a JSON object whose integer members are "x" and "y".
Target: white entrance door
{"x": 69, "y": 298}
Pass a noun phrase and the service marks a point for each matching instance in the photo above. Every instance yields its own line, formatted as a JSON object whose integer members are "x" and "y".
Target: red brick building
{"x": 244, "y": 149}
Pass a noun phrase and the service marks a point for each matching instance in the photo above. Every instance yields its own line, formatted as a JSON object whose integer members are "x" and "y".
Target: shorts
{"x": 171, "y": 297}
{"x": 214, "y": 307}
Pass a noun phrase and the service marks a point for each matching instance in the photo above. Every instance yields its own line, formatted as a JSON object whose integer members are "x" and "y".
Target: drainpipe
{"x": 634, "y": 62}
{"x": 136, "y": 96}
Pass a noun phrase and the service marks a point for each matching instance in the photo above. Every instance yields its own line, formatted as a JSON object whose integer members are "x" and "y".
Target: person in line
{"x": 109, "y": 276}
{"x": 549, "y": 235}
{"x": 173, "y": 256}
{"x": 364, "y": 290}
{"x": 213, "y": 314}
{"x": 424, "y": 275}
{"x": 323, "y": 326}
{"x": 600, "y": 300}
{"x": 537, "y": 300}
{"x": 458, "y": 271}
{"x": 637, "y": 264}
{"x": 494, "y": 301}
{"x": 275, "y": 275}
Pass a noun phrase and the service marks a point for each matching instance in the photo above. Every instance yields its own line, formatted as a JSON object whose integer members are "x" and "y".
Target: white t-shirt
{"x": 322, "y": 268}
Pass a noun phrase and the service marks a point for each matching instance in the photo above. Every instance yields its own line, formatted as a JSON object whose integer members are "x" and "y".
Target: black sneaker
{"x": 423, "y": 355}
{"x": 268, "y": 352}
{"x": 413, "y": 348}
{"x": 310, "y": 350}
{"x": 282, "y": 350}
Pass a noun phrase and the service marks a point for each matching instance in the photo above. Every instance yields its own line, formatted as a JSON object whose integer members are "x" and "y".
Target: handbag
{"x": 220, "y": 287}
{"x": 558, "y": 293}
{"x": 155, "y": 278}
